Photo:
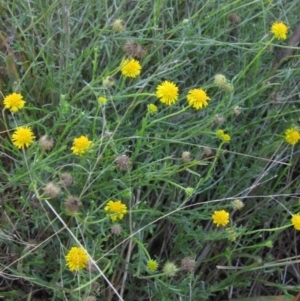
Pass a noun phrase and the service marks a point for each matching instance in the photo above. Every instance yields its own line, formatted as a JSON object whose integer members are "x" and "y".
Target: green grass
{"x": 57, "y": 54}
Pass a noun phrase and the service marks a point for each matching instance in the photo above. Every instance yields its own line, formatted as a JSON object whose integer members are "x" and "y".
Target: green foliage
{"x": 61, "y": 56}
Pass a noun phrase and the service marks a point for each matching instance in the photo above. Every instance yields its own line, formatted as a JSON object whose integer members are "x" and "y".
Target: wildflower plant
{"x": 175, "y": 154}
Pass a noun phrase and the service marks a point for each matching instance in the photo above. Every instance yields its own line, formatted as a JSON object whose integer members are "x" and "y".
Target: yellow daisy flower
{"x": 14, "y": 102}
{"x": 292, "y": 136}
{"x": 152, "y": 265}
{"x": 167, "y": 92}
{"x": 296, "y": 221}
{"x": 279, "y": 30}
{"x": 77, "y": 259}
{"x": 80, "y": 145}
{"x": 131, "y": 68}
{"x": 220, "y": 218}
{"x": 115, "y": 210}
{"x": 22, "y": 136}
{"x": 152, "y": 108}
{"x": 197, "y": 98}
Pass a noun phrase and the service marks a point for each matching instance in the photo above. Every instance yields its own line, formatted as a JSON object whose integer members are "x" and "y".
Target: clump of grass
{"x": 141, "y": 154}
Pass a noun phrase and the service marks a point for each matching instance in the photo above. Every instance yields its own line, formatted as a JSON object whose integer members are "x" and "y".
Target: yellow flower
{"x": 23, "y": 136}
{"x": 221, "y": 135}
{"x": 14, "y": 102}
{"x": 279, "y": 30}
{"x": 152, "y": 265}
{"x": 197, "y": 98}
{"x": 296, "y": 221}
{"x": 115, "y": 210}
{"x": 152, "y": 108}
{"x": 131, "y": 68}
{"x": 292, "y": 136}
{"x": 77, "y": 259}
{"x": 167, "y": 92}
{"x": 80, "y": 145}
{"x": 102, "y": 100}
{"x": 220, "y": 218}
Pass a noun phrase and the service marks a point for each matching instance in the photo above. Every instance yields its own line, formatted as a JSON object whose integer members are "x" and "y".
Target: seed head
{"x": 133, "y": 49}
{"x": 72, "y": 204}
{"x": 123, "y": 162}
{"x": 188, "y": 264}
{"x": 236, "y": 110}
{"x": 116, "y": 229}
{"x": 234, "y": 19}
{"x": 66, "y": 179}
{"x": 219, "y": 119}
{"x": 46, "y": 142}
{"x": 207, "y": 151}
{"x": 186, "y": 157}
{"x": 51, "y": 190}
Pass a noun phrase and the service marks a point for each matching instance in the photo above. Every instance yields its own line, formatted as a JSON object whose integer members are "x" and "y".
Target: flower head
{"x": 152, "y": 108}
{"x": 292, "y": 136}
{"x": 296, "y": 221}
{"x": 80, "y": 145}
{"x": 115, "y": 210}
{"x": 77, "y": 259}
{"x": 279, "y": 30}
{"x": 170, "y": 269}
{"x": 197, "y": 98}
{"x": 221, "y": 135}
{"x": 131, "y": 68}
{"x": 220, "y": 80}
{"x": 119, "y": 25}
{"x": 14, "y": 102}
{"x": 102, "y": 100}
{"x": 152, "y": 265}
{"x": 237, "y": 204}
{"x": 220, "y": 218}
{"x": 167, "y": 92}
{"x": 23, "y": 136}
